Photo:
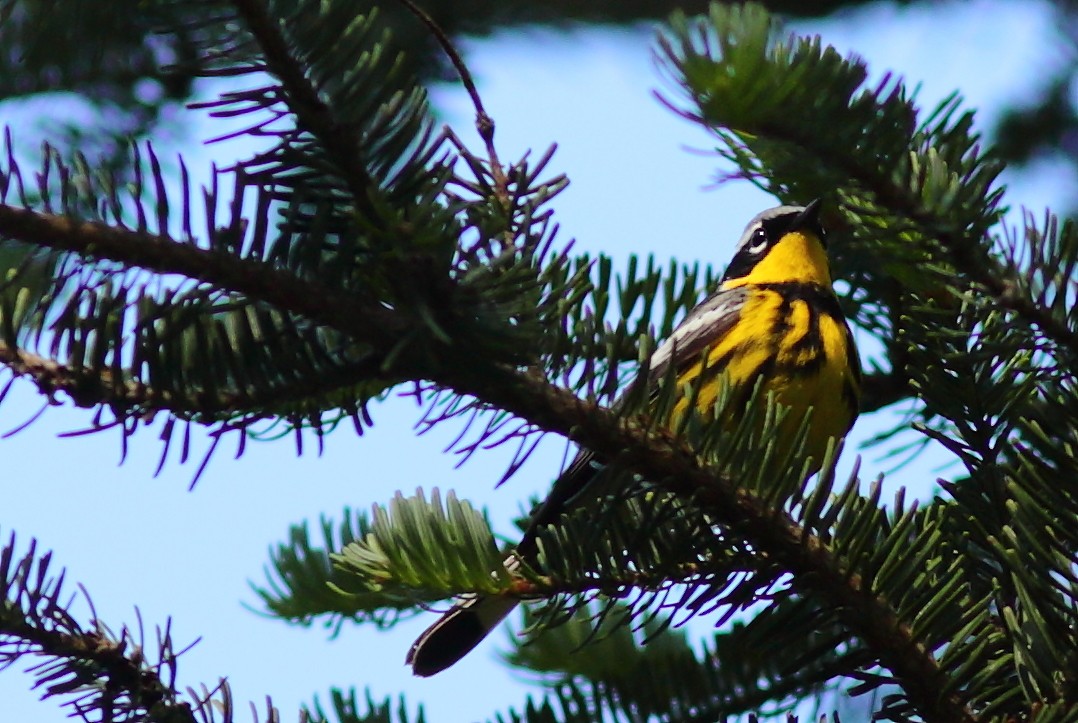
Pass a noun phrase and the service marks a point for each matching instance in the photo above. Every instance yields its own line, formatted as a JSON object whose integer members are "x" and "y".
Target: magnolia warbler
{"x": 774, "y": 322}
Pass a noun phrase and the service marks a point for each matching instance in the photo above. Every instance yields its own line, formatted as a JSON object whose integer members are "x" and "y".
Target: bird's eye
{"x": 758, "y": 242}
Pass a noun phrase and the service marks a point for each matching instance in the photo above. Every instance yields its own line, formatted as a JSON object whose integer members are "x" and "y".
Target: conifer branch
{"x": 992, "y": 277}
{"x": 51, "y": 376}
{"x": 530, "y": 396}
{"x": 88, "y": 388}
{"x": 312, "y": 113}
{"x": 776, "y": 535}
{"x": 362, "y": 318}
{"x": 108, "y": 677}
{"x": 118, "y": 662}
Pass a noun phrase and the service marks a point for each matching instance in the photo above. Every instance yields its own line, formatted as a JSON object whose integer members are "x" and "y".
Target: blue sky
{"x": 133, "y": 539}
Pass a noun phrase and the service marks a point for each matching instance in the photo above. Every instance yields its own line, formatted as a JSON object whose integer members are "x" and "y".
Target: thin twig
{"x": 484, "y": 124}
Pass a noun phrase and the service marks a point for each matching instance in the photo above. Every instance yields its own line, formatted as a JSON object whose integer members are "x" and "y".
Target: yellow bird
{"x": 774, "y": 320}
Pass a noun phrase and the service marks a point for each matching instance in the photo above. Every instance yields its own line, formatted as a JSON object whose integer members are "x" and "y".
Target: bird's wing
{"x": 707, "y": 323}
{"x": 702, "y": 327}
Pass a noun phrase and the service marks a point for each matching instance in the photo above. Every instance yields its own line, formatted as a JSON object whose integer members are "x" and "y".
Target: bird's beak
{"x": 809, "y": 217}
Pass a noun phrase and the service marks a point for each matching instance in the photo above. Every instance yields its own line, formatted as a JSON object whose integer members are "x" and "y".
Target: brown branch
{"x": 547, "y": 586}
{"x": 360, "y": 317}
{"x": 50, "y": 376}
{"x": 368, "y": 322}
{"x": 89, "y": 388}
{"x": 484, "y": 124}
{"x": 775, "y": 535}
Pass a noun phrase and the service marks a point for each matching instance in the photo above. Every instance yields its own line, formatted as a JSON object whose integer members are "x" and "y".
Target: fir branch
{"x": 51, "y": 377}
{"x": 346, "y": 708}
{"x": 100, "y": 658}
{"x": 88, "y": 388}
{"x": 305, "y": 583}
{"x": 615, "y": 583}
{"x": 365, "y": 320}
{"x": 664, "y": 677}
{"x": 312, "y": 114}
{"x": 775, "y": 535}
{"x": 105, "y": 675}
{"x": 1008, "y": 294}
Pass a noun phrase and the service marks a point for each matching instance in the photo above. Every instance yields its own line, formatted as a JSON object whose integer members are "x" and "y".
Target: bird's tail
{"x": 454, "y": 634}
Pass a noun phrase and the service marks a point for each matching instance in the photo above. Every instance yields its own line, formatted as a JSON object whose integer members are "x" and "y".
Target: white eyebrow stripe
{"x": 764, "y": 216}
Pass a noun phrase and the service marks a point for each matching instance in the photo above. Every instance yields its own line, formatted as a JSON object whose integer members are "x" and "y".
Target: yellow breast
{"x": 794, "y": 340}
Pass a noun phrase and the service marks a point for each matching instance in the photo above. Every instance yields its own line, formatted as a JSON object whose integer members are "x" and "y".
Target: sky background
{"x": 639, "y": 186}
